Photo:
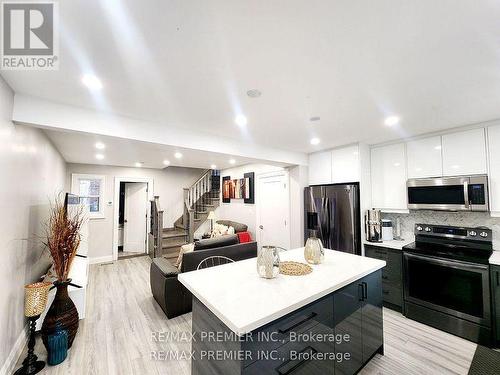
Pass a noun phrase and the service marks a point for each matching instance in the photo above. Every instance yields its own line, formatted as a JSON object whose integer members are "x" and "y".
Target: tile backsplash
{"x": 462, "y": 219}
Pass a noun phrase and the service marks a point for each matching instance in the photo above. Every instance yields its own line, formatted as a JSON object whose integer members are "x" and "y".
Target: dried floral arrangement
{"x": 62, "y": 234}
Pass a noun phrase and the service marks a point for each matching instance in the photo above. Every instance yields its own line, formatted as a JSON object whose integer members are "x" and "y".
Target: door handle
{"x": 466, "y": 194}
{"x": 125, "y": 221}
{"x": 261, "y": 227}
{"x": 290, "y": 366}
{"x": 296, "y": 323}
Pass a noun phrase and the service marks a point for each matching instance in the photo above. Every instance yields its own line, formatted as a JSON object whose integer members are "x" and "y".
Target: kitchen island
{"x": 326, "y": 322}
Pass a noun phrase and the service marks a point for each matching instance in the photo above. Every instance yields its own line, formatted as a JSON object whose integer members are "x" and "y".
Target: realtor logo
{"x": 29, "y": 36}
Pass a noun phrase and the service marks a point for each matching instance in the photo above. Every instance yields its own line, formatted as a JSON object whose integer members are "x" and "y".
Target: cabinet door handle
{"x": 289, "y": 366}
{"x": 498, "y": 278}
{"x": 365, "y": 290}
{"x": 296, "y": 322}
{"x": 361, "y": 292}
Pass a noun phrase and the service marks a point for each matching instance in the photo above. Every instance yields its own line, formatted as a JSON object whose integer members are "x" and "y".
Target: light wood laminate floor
{"x": 117, "y": 335}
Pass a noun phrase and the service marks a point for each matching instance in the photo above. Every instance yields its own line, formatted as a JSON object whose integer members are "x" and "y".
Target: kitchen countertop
{"x": 394, "y": 244}
{"x": 244, "y": 301}
{"x": 495, "y": 258}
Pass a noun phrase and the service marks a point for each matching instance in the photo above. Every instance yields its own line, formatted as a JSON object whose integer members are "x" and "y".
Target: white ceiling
{"x": 80, "y": 148}
{"x": 188, "y": 64}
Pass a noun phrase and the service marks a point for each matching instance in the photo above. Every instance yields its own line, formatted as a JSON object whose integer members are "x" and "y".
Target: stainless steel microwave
{"x": 461, "y": 193}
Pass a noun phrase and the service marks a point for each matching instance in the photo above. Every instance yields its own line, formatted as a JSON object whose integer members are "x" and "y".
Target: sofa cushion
{"x": 165, "y": 267}
{"x": 238, "y": 227}
{"x": 211, "y": 243}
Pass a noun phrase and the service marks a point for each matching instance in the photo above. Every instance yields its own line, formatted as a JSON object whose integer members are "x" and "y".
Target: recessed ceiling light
{"x": 92, "y": 82}
{"x": 99, "y": 156}
{"x": 100, "y": 146}
{"x": 437, "y": 148}
{"x": 315, "y": 118}
{"x": 138, "y": 164}
{"x": 166, "y": 162}
{"x": 315, "y": 141}
{"x": 254, "y": 93}
{"x": 213, "y": 166}
{"x": 391, "y": 120}
{"x": 232, "y": 161}
{"x": 397, "y": 164}
{"x": 178, "y": 155}
{"x": 240, "y": 120}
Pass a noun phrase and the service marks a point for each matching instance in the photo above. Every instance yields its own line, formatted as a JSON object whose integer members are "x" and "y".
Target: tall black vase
{"x": 62, "y": 314}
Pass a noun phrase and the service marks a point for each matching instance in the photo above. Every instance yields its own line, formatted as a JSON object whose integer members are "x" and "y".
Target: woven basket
{"x": 35, "y": 298}
{"x": 294, "y": 268}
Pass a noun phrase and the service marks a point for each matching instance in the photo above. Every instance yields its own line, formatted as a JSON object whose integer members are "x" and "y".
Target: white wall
{"x": 245, "y": 213}
{"x": 168, "y": 184}
{"x": 32, "y": 171}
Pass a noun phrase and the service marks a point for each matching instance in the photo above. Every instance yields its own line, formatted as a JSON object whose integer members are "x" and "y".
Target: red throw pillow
{"x": 244, "y": 237}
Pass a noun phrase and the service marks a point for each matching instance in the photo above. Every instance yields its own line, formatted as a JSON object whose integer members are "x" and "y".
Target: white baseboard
{"x": 15, "y": 353}
{"x": 97, "y": 260}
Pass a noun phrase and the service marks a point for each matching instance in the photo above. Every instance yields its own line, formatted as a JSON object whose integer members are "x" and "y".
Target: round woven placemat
{"x": 294, "y": 268}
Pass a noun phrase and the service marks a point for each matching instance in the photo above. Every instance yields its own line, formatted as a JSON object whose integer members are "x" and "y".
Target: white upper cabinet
{"x": 345, "y": 164}
{"x": 320, "y": 168}
{"x": 388, "y": 171}
{"x": 424, "y": 158}
{"x": 464, "y": 153}
{"x": 494, "y": 173}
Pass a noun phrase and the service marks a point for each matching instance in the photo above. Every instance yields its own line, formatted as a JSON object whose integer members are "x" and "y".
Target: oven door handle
{"x": 449, "y": 263}
{"x": 466, "y": 194}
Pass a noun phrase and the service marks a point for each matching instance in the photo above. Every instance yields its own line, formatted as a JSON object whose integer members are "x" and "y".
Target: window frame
{"x": 75, "y": 189}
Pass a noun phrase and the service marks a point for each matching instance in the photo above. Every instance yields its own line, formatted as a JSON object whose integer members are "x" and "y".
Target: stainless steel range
{"x": 446, "y": 277}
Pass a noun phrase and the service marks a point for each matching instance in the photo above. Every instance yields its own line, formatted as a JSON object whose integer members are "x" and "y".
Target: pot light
{"x": 99, "y": 156}
{"x": 100, "y": 146}
{"x": 166, "y": 162}
{"x": 240, "y": 120}
{"x": 92, "y": 82}
{"x": 315, "y": 141}
{"x": 232, "y": 161}
{"x": 437, "y": 148}
{"x": 178, "y": 155}
{"x": 391, "y": 120}
{"x": 213, "y": 166}
{"x": 138, "y": 164}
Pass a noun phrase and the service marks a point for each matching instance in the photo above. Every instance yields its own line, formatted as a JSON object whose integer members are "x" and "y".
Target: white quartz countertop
{"x": 244, "y": 301}
{"x": 394, "y": 244}
{"x": 495, "y": 258}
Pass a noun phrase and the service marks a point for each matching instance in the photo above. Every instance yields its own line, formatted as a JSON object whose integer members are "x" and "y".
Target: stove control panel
{"x": 429, "y": 231}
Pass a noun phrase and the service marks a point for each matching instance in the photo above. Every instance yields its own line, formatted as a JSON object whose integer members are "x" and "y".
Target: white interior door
{"x": 135, "y": 218}
{"x": 273, "y": 226}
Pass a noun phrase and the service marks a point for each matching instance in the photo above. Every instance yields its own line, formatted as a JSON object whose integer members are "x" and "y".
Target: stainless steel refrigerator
{"x": 332, "y": 214}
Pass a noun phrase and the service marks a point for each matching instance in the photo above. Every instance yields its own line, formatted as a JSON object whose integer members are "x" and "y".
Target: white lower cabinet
{"x": 388, "y": 177}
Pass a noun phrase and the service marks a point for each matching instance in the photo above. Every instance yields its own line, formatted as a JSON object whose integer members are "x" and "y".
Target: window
{"x": 90, "y": 189}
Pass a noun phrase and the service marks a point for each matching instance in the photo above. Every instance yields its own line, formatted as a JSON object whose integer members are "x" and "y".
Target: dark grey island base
{"x": 337, "y": 334}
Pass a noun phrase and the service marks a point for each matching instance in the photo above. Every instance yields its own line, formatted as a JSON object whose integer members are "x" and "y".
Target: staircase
{"x": 199, "y": 199}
